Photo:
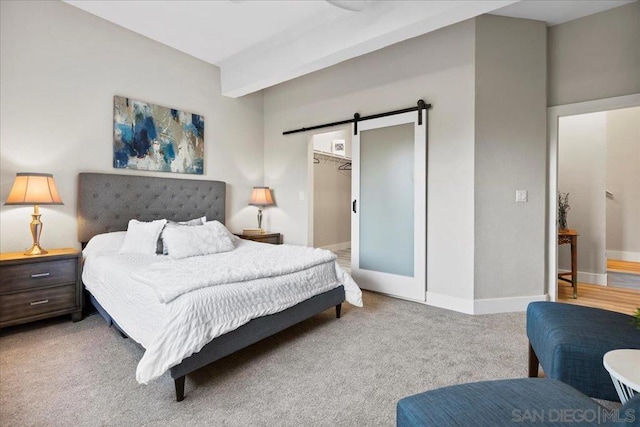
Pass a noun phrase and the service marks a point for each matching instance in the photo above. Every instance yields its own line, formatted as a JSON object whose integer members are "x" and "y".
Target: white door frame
{"x": 420, "y": 207}
{"x": 553, "y": 120}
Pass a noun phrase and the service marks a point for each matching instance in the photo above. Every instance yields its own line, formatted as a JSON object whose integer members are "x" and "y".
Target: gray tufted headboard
{"x": 106, "y": 202}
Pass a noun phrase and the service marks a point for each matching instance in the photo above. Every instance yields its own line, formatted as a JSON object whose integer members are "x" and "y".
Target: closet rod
{"x": 356, "y": 118}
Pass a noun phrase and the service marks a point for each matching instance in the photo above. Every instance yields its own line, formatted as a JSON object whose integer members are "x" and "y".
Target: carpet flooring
{"x": 321, "y": 372}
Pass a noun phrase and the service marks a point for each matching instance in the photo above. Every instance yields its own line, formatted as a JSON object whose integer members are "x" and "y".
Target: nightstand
{"x": 34, "y": 287}
{"x": 273, "y": 238}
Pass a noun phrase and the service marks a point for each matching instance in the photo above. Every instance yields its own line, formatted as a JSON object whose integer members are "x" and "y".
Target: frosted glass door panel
{"x": 387, "y": 200}
{"x": 388, "y": 222}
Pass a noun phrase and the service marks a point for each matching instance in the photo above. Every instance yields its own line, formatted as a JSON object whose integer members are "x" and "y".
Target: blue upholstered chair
{"x": 569, "y": 342}
{"x": 523, "y": 401}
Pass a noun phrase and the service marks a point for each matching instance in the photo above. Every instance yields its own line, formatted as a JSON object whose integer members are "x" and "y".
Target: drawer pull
{"x": 40, "y": 275}
{"x": 44, "y": 301}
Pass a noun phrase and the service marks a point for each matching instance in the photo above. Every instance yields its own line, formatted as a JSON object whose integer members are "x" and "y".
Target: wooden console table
{"x": 570, "y": 236}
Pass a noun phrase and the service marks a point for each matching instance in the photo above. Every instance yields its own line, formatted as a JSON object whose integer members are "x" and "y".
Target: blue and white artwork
{"x": 154, "y": 138}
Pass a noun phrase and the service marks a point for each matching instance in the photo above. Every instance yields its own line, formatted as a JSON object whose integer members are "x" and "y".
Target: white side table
{"x": 624, "y": 367}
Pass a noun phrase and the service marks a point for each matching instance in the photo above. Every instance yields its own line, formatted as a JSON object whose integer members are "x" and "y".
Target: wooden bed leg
{"x": 179, "y": 383}
{"x": 533, "y": 363}
{"x": 338, "y": 310}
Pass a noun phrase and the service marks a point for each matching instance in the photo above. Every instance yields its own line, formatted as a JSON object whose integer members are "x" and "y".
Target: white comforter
{"x": 172, "y": 331}
{"x": 177, "y": 277}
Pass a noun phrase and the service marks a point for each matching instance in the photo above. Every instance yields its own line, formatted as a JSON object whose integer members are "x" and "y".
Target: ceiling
{"x": 260, "y": 43}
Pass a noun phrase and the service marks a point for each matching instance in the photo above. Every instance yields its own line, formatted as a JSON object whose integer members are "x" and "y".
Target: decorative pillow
{"x": 161, "y": 248}
{"x": 196, "y": 240}
{"x": 142, "y": 237}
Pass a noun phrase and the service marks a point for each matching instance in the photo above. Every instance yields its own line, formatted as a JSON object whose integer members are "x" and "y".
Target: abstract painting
{"x": 154, "y": 138}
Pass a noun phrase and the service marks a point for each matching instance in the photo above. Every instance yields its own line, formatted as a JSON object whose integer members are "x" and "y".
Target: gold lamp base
{"x": 36, "y": 229}
{"x": 260, "y": 219}
{"x": 35, "y": 250}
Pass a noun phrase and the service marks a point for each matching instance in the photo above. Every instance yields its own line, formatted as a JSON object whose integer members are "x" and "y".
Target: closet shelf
{"x": 330, "y": 155}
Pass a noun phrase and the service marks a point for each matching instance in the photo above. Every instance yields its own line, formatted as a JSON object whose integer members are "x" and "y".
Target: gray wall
{"x": 595, "y": 57}
{"x": 437, "y": 67}
{"x": 60, "y": 69}
{"x": 510, "y": 154}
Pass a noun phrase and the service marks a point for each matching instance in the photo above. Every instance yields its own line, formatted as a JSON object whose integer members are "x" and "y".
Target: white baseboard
{"x": 337, "y": 246}
{"x": 483, "y": 306}
{"x": 623, "y": 255}
{"x": 505, "y": 305}
{"x": 591, "y": 278}
{"x": 460, "y": 305}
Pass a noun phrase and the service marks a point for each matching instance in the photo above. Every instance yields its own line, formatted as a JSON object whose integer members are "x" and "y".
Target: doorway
{"x": 591, "y": 158}
{"x": 330, "y": 166}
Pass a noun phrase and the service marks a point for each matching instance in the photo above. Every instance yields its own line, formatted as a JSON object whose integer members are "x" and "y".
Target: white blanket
{"x": 174, "y": 278}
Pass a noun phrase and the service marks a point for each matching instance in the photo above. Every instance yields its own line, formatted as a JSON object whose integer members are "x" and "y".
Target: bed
{"x": 106, "y": 203}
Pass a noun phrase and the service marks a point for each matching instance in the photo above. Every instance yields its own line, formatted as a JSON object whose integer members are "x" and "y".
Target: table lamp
{"x": 34, "y": 189}
{"x": 261, "y": 197}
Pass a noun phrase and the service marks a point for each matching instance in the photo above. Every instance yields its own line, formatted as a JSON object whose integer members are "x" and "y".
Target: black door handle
{"x": 353, "y": 206}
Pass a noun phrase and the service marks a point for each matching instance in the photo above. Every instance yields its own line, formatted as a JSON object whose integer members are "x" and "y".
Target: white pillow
{"x": 196, "y": 240}
{"x": 142, "y": 237}
{"x": 162, "y": 248}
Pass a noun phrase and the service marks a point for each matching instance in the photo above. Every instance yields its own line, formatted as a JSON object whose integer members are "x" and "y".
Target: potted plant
{"x": 563, "y": 207}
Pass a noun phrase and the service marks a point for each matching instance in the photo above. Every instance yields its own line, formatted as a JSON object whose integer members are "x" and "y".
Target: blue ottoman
{"x": 524, "y": 401}
{"x": 569, "y": 341}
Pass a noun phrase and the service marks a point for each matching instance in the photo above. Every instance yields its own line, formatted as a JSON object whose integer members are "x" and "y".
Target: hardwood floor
{"x": 628, "y": 267}
{"x": 344, "y": 259}
{"x": 607, "y": 297}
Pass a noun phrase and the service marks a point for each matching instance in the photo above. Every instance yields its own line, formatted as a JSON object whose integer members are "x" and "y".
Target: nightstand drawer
{"x": 25, "y": 304}
{"x": 273, "y": 238}
{"x": 27, "y": 276}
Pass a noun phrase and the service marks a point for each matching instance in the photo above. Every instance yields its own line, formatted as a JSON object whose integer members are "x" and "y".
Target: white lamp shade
{"x": 34, "y": 189}
{"x": 261, "y": 196}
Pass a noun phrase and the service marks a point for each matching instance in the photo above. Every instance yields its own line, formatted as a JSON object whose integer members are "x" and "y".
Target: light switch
{"x": 521, "y": 195}
{"x": 301, "y": 195}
